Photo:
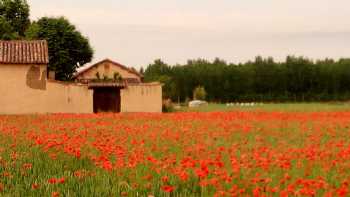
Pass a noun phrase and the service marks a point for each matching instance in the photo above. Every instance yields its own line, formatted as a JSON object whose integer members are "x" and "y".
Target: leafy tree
{"x": 6, "y": 31}
{"x": 68, "y": 48}
{"x": 156, "y": 70}
{"x": 142, "y": 71}
{"x": 159, "y": 71}
{"x": 199, "y": 93}
{"x": 14, "y": 18}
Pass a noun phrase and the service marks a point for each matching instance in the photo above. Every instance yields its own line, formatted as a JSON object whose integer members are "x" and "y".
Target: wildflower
{"x": 168, "y": 188}
{"x": 107, "y": 165}
{"x": 7, "y": 174}
{"x": 56, "y": 181}
{"x": 2, "y": 187}
{"x": 256, "y": 192}
{"x": 148, "y": 185}
{"x": 55, "y": 194}
{"x": 165, "y": 179}
{"x": 183, "y": 175}
{"x": 61, "y": 180}
{"x": 27, "y": 166}
{"x": 35, "y": 186}
{"x": 52, "y": 180}
{"x": 342, "y": 191}
{"x": 148, "y": 177}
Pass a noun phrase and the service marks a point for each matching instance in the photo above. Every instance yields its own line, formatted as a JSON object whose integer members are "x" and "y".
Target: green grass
{"x": 291, "y": 107}
{"x": 16, "y": 181}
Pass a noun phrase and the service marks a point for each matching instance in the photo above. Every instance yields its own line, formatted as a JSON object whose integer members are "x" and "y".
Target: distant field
{"x": 298, "y": 107}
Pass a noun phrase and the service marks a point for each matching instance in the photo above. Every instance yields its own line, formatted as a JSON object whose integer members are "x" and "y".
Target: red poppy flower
{"x": 35, "y": 186}
{"x": 168, "y": 188}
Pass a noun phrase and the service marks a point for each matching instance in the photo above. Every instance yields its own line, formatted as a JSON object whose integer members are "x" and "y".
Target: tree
{"x": 199, "y": 93}
{"x": 142, "y": 71}
{"x": 296, "y": 79}
{"x": 6, "y": 31}
{"x": 68, "y": 48}
{"x": 159, "y": 71}
{"x": 155, "y": 70}
{"x": 14, "y": 19}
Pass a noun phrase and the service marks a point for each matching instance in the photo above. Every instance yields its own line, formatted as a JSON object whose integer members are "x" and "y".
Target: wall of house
{"x": 146, "y": 97}
{"x": 107, "y": 69}
{"x": 68, "y": 98}
{"x": 24, "y": 89}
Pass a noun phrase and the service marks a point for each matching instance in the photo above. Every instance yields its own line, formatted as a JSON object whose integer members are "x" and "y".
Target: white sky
{"x": 135, "y": 32}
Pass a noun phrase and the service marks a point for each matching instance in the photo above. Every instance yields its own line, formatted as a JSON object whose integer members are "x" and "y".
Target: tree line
{"x": 261, "y": 80}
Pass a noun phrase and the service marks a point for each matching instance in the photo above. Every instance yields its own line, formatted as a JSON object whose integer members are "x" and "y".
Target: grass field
{"x": 297, "y": 107}
{"x": 269, "y": 150}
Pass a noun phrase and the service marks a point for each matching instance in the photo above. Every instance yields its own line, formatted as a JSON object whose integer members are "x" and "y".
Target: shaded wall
{"x": 146, "y": 97}
{"x": 24, "y": 89}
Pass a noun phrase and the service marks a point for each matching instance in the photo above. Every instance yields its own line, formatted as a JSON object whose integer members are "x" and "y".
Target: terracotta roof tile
{"x": 24, "y": 52}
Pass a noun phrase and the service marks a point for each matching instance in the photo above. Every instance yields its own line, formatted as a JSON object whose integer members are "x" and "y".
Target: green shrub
{"x": 199, "y": 93}
{"x": 168, "y": 106}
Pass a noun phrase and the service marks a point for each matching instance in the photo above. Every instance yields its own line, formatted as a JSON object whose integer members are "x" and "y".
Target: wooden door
{"x": 106, "y": 100}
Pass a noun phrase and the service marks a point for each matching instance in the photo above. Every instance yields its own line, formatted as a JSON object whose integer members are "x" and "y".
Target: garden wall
{"x": 145, "y": 97}
{"x": 24, "y": 89}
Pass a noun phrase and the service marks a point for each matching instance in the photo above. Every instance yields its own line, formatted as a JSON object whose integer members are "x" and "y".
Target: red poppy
{"x": 52, "y": 180}
{"x": 55, "y": 194}
{"x": 168, "y": 188}
{"x": 35, "y": 186}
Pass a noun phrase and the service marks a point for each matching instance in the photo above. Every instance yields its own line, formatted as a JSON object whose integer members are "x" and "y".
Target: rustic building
{"x": 118, "y": 88}
{"x": 25, "y": 88}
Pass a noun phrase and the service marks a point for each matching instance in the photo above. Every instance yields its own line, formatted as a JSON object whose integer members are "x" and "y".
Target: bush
{"x": 167, "y": 106}
{"x": 199, "y": 93}
{"x": 117, "y": 76}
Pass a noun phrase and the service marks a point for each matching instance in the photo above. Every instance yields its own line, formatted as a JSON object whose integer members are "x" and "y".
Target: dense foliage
{"x": 199, "y": 93}
{"x": 68, "y": 48}
{"x": 295, "y": 79}
{"x": 14, "y": 19}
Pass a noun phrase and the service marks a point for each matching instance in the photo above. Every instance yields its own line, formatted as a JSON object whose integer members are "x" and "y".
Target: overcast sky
{"x": 135, "y": 32}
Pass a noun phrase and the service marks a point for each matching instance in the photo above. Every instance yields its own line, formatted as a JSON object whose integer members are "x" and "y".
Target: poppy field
{"x": 238, "y": 153}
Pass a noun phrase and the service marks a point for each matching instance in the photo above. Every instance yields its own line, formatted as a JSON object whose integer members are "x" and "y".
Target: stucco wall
{"x": 68, "y": 98}
{"x": 146, "y": 97}
{"x": 25, "y": 90}
{"x": 107, "y": 69}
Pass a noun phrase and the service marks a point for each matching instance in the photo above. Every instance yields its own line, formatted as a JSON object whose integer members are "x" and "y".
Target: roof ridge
{"x": 111, "y": 61}
{"x": 23, "y": 40}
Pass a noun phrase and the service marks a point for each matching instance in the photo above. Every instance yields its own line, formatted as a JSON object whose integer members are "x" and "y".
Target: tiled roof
{"x": 24, "y": 52}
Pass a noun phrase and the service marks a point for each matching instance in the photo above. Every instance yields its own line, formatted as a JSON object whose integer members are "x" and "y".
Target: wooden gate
{"x": 106, "y": 99}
